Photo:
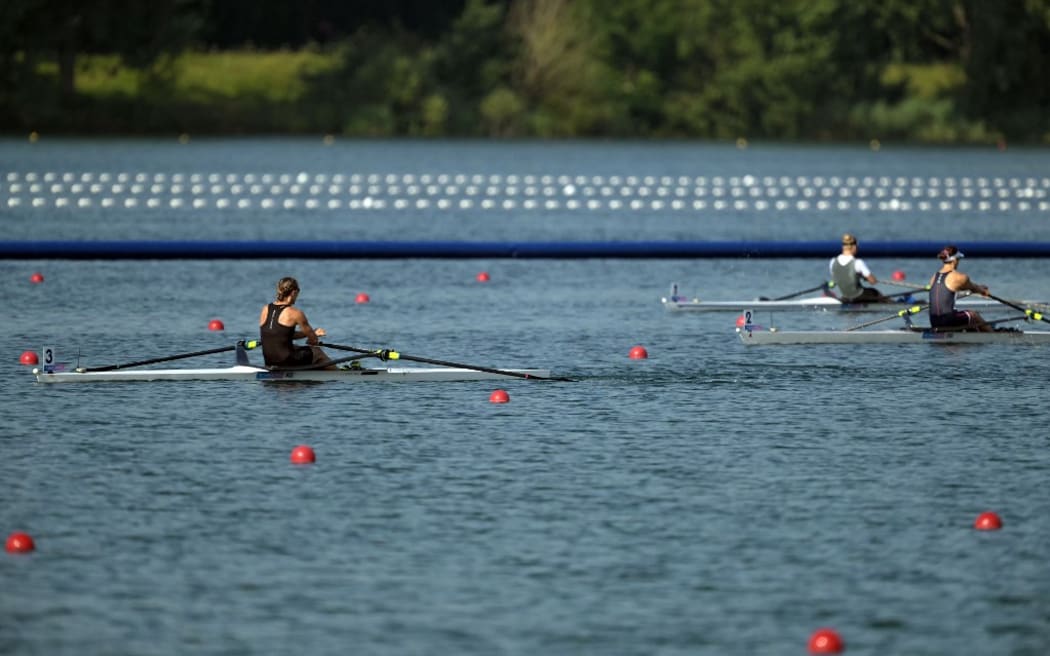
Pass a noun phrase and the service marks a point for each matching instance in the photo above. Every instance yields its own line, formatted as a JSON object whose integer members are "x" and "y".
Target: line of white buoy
{"x": 514, "y": 179}
{"x": 369, "y": 203}
{"x": 467, "y": 191}
{"x": 155, "y": 189}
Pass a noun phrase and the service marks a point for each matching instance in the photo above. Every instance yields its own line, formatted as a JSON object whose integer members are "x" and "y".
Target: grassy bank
{"x": 221, "y": 92}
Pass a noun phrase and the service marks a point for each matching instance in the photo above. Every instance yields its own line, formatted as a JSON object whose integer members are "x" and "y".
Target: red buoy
{"x": 362, "y": 298}
{"x": 215, "y": 324}
{"x": 29, "y": 357}
{"x": 19, "y": 542}
{"x": 638, "y": 353}
{"x": 36, "y": 278}
{"x": 825, "y": 641}
{"x": 988, "y": 521}
{"x": 303, "y": 455}
{"x": 483, "y": 276}
{"x": 499, "y": 396}
{"x": 899, "y": 275}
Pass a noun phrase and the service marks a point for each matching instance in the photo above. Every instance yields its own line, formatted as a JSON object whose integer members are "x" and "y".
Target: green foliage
{"x": 926, "y": 110}
{"x": 1006, "y": 66}
{"x": 278, "y": 77}
{"x": 921, "y": 70}
{"x": 928, "y": 81}
{"x": 476, "y": 55}
{"x": 558, "y": 70}
{"x": 435, "y": 115}
{"x": 503, "y": 113}
{"x": 370, "y": 121}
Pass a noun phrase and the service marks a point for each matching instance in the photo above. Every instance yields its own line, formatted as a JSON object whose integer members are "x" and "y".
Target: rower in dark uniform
{"x": 280, "y": 323}
{"x": 944, "y": 285}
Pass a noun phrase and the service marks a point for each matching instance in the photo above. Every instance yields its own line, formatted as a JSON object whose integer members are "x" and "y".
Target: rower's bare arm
{"x": 308, "y": 331}
{"x": 319, "y": 332}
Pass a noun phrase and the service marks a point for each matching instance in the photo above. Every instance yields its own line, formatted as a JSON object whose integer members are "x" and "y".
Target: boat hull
{"x": 250, "y": 373}
{"x": 901, "y": 336}
{"x": 828, "y": 303}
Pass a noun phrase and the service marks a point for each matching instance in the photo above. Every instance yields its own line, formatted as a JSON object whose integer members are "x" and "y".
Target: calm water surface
{"x": 707, "y": 500}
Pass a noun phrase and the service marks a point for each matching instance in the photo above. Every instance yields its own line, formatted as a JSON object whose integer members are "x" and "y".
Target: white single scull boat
{"x": 679, "y": 303}
{"x": 828, "y": 303}
{"x": 915, "y": 335}
{"x": 249, "y": 372}
{"x": 53, "y": 371}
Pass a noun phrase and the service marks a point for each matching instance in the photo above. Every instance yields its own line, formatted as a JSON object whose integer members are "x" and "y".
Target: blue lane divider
{"x": 192, "y": 250}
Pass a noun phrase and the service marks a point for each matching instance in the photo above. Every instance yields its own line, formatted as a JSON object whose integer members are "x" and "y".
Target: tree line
{"x": 950, "y": 71}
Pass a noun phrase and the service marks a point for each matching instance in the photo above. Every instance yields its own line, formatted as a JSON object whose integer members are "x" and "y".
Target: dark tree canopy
{"x": 922, "y": 70}
{"x": 295, "y": 23}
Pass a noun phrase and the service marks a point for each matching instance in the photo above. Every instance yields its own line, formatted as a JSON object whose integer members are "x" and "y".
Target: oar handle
{"x": 340, "y": 347}
{"x": 914, "y": 309}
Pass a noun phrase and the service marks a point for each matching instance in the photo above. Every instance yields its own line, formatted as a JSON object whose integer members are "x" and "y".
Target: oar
{"x": 1005, "y": 320}
{"x": 1038, "y": 308}
{"x": 909, "y": 285}
{"x": 386, "y": 354}
{"x": 915, "y": 309}
{"x": 798, "y": 293}
{"x": 1029, "y": 312}
{"x": 168, "y": 358}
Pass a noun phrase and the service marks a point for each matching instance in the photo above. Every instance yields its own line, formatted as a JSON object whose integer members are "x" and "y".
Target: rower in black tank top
{"x": 278, "y": 339}
{"x": 945, "y": 285}
{"x": 278, "y": 347}
{"x": 942, "y": 305}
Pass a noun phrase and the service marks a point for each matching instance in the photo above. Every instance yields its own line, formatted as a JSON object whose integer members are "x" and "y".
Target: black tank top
{"x": 276, "y": 339}
{"x": 942, "y": 299}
